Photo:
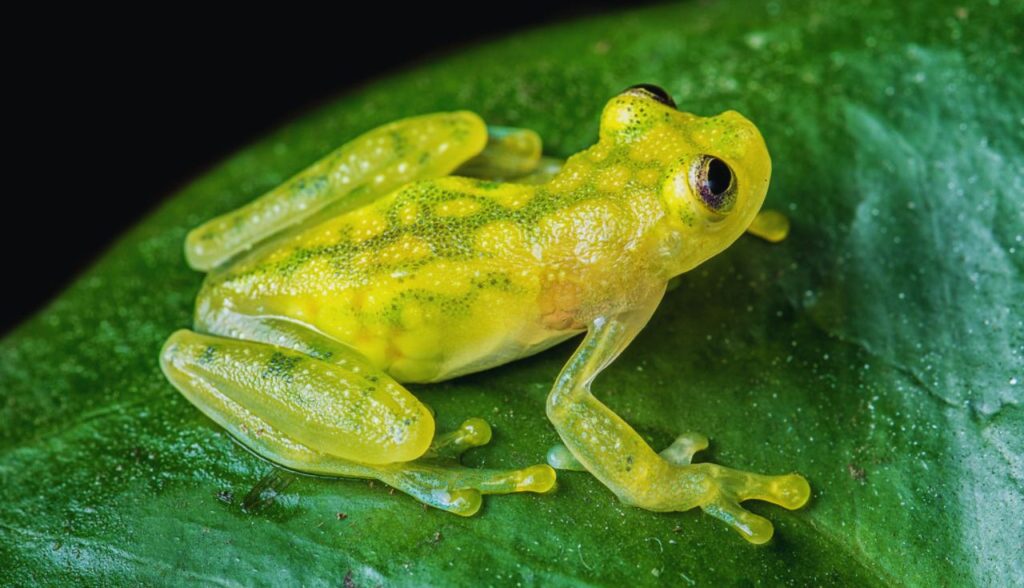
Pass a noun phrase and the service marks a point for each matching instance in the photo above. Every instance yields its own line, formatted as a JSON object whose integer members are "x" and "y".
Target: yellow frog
{"x": 437, "y": 246}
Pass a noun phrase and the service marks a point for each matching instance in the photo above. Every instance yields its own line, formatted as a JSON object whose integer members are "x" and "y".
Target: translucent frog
{"x": 436, "y": 246}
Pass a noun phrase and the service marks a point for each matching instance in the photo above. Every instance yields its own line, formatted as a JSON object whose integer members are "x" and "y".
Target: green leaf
{"x": 879, "y": 351}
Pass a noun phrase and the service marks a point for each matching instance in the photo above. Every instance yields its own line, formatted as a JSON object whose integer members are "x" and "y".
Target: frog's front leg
{"x": 337, "y": 418}
{"x": 612, "y": 451}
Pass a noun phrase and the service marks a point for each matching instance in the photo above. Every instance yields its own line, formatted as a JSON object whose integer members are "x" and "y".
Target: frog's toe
{"x": 464, "y": 502}
{"x": 473, "y": 432}
{"x": 684, "y": 447}
{"x": 790, "y": 491}
{"x": 752, "y": 527}
{"x": 536, "y": 478}
{"x": 730, "y": 487}
{"x": 438, "y": 479}
{"x": 560, "y": 458}
{"x": 459, "y": 489}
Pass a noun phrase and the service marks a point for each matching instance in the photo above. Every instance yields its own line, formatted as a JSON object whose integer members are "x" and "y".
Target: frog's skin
{"x": 386, "y": 262}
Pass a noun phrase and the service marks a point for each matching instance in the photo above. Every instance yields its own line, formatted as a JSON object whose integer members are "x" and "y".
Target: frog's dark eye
{"x": 714, "y": 183}
{"x": 653, "y": 92}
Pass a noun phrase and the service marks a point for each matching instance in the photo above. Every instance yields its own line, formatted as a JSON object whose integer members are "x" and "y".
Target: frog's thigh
{"x": 242, "y": 384}
{"x": 347, "y": 412}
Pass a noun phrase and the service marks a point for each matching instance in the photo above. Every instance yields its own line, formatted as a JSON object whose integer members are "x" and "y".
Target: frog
{"x": 439, "y": 245}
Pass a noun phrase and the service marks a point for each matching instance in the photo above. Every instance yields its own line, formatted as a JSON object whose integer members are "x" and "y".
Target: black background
{"x": 111, "y": 112}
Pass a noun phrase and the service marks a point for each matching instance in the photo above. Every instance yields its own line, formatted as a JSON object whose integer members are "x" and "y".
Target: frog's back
{"x": 439, "y": 278}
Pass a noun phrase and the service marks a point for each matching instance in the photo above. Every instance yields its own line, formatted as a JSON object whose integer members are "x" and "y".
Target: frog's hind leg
{"x": 340, "y": 409}
{"x": 436, "y": 480}
{"x": 337, "y": 416}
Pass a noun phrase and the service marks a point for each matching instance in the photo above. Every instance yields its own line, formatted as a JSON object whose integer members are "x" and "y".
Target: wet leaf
{"x": 878, "y": 351}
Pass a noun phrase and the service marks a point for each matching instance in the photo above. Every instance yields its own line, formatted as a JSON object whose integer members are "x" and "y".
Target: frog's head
{"x": 713, "y": 171}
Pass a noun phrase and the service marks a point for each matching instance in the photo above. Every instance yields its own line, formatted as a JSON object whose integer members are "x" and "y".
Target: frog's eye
{"x": 714, "y": 183}
{"x": 653, "y": 92}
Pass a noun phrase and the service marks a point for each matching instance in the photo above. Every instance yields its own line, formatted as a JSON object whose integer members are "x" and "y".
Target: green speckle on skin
{"x": 281, "y": 366}
{"x": 308, "y": 187}
{"x": 208, "y": 355}
{"x": 448, "y": 237}
{"x": 452, "y": 306}
{"x": 399, "y": 146}
{"x": 320, "y": 353}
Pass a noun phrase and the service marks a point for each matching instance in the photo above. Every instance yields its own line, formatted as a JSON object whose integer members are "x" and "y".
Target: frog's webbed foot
{"x": 727, "y": 488}
{"x": 717, "y": 490}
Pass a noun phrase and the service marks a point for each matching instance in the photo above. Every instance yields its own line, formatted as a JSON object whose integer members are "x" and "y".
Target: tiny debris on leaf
{"x": 857, "y": 473}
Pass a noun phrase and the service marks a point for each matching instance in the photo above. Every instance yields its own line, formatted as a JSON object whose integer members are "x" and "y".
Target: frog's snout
{"x": 740, "y": 133}
{"x": 743, "y": 146}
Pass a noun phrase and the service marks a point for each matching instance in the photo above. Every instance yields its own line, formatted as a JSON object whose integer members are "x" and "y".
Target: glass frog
{"x": 436, "y": 246}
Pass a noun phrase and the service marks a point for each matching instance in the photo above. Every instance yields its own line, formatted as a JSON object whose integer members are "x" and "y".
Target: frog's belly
{"x": 440, "y": 322}
{"x": 429, "y": 337}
